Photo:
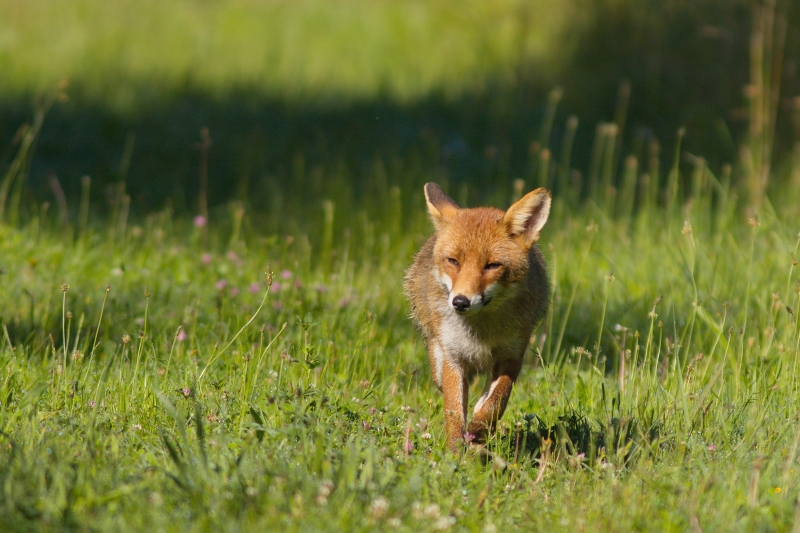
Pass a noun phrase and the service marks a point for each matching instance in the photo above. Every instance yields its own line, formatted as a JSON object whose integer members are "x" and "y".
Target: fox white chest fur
{"x": 477, "y": 289}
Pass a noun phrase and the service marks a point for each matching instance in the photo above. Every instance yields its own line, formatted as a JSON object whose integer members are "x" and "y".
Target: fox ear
{"x": 440, "y": 206}
{"x": 527, "y": 216}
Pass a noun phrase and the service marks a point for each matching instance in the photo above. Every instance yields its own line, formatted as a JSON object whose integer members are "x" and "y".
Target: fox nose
{"x": 461, "y": 303}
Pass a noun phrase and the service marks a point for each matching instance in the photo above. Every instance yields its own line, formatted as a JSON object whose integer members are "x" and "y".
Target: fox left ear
{"x": 528, "y": 215}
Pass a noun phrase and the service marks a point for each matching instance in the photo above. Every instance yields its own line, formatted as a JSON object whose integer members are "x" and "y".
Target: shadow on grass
{"x": 677, "y": 63}
{"x": 619, "y": 440}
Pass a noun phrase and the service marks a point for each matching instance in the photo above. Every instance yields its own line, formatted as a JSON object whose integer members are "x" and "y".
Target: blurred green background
{"x": 297, "y": 93}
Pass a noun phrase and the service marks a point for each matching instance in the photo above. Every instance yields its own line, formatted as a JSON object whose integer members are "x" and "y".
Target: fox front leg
{"x": 456, "y": 389}
{"x": 492, "y": 403}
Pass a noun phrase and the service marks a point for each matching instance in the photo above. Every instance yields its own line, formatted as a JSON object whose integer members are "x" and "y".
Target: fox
{"x": 478, "y": 288}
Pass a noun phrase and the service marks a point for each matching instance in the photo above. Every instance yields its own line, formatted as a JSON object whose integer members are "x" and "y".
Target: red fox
{"x": 478, "y": 288}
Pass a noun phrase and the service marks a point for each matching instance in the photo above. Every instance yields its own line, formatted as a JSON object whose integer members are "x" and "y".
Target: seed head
{"x": 754, "y": 221}
{"x": 126, "y": 339}
{"x": 687, "y": 228}
{"x": 64, "y": 287}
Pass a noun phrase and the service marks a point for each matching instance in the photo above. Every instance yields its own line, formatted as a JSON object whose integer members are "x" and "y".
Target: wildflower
{"x": 325, "y": 490}
{"x": 234, "y": 292}
{"x": 199, "y": 221}
{"x": 232, "y": 257}
{"x": 777, "y": 490}
{"x": 426, "y": 436}
{"x": 186, "y": 391}
{"x": 91, "y": 404}
{"x": 444, "y": 522}
{"x": 126, "y": 339}
{"x": 378, "y": 507}
{"x": 286, "y": 274}
{"x": 255, "y": 288}
{"x": 712, "y": 448}
{"x": 206, "y": 258}
{"x": 322, "y": 288}
{"x": 416, "y": 510}
{"x": 181, "y": 336}
{"x": 432, "y": 510}
{"x": 221, "y": 284}
{"x": 276, "y": 287}
{"x": 468, "y": 437}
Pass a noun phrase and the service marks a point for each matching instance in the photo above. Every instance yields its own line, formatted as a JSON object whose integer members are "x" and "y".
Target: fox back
{"x": 479, "y": 285}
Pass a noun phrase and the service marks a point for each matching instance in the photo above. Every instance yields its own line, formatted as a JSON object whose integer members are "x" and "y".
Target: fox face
{"x": 481, "y": 254}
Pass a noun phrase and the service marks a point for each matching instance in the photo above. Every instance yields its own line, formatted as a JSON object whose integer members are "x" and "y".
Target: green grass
{"x": 346, "y": 49}
{"x": 261, "y": 373}
{"x": 310, "y": 406}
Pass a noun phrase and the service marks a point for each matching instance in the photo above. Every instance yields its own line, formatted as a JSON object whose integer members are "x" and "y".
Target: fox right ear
{"x": 440, "y": 206}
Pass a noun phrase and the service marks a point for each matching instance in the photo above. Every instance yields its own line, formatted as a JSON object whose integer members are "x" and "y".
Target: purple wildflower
{"x": 221, "y": 284}
{"x": 206, "y": 258}
{"x": 199, "y": 221}
{"x": 255, "y": 288}
{"x": 286, "y": 274}
{"x": 233, "y": 258}
{"x": 181, "y": 335}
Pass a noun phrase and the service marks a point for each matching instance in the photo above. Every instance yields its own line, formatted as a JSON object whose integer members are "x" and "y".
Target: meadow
{"x": 250, "y": 365}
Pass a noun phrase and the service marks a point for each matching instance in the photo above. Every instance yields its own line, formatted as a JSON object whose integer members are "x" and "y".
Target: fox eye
{"x": 492, "y": 266}
{"x": 453, "y": 261}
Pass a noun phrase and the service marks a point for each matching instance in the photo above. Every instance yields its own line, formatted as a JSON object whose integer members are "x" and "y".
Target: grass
{"x": 404, "y": 50}
{"x": 257, "y": 369}
{"x": 157, "y": 382}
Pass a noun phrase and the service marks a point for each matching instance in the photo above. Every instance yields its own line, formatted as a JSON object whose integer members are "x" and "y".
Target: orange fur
{"x": 478, "y": 288}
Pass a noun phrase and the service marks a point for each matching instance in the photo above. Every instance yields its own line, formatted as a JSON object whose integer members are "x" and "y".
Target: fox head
{"x": 481, "y": 254}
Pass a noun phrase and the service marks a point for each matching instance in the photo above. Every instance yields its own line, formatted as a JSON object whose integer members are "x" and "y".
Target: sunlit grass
{"x": 321, "y": 413}
{"x": 343, "y": 49}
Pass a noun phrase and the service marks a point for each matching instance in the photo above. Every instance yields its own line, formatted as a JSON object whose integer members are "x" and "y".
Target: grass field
{"x": 153, "y": 381}
{"x": 255, "y": 369}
